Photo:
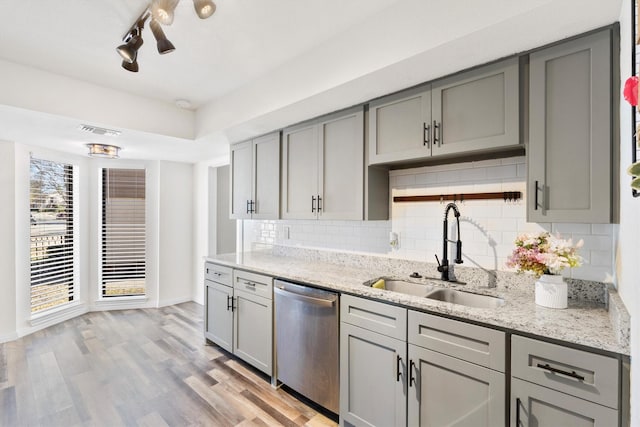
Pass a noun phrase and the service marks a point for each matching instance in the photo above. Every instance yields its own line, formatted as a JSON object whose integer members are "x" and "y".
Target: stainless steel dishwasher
{"x": 307, "y": 338}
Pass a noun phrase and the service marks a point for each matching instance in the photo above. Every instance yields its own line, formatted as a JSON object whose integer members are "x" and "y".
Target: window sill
{"x": 58, "y": 314}
{"x": 116, "y": 303}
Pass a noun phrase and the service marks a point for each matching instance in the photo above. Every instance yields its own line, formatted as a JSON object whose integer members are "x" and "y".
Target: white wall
{"x": 627, "y": 253}
{"x": 488, "y": 228}
{"x": 176, "y": 230}
{"x": 7, "y": 242}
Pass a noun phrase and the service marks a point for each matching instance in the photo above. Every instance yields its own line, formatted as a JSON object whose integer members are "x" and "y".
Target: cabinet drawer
{"x": 475, "y": 344}
{"x": 579, "y": 373}
{"x": 375, "y": 316}
{"x": 256, "y": 284}
{"x": 218, "y": 273}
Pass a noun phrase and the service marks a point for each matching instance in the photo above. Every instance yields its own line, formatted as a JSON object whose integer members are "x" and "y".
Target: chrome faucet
{"x": 443, "y": 267}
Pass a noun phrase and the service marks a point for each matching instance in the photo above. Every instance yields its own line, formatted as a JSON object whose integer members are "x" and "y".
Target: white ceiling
{"x": 252, "y": 67}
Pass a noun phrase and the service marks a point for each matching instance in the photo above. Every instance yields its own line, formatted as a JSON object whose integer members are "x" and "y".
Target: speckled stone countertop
{"x": 596, "y": 316}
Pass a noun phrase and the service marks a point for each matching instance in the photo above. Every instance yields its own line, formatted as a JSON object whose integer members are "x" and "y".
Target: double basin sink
{"x": 453, "y": 296}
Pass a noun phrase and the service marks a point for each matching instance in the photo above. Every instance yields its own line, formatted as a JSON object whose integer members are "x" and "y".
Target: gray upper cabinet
{"x": 323, "y": 168}
{"x": 570, "y": 114}
{"x": 477, "y": 110}
{"x": 399, "y": 126}
{"x": 255, "y": 178}
{"x": 470, "y": 112}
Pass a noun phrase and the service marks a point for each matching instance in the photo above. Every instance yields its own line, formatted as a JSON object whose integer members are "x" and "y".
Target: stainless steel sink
{"x": 404, "y": 287}
{"x": 409, "y": 288}
{"x": 465, "y": 298}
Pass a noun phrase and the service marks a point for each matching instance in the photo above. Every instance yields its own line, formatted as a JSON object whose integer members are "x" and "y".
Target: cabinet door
{"x": 477, "y": 110}
{"x": 266, "y": 177}
{"x": 373, "y": 378}
{"x": 241, "y": 172}
{"x": 219, "y": 327}
{"x": 252, "y": 329}
{"x": 445, "y": 391}
{"x": 300, "y": 172}
{"x": 533, "y": 405}
{"x": 570, "y": 124}
{"x": 399, "y": 126}
{"x": 342, "y": 166}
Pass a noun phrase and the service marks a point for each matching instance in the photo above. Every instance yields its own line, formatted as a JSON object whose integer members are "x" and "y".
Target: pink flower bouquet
{"x": 544, "y": 254}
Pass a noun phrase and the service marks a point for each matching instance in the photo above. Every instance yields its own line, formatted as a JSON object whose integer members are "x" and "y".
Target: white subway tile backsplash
{"x": 488, "y": 227}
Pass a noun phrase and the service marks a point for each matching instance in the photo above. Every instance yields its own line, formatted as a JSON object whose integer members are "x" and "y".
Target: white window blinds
{"x": 52, "y": 234}
{"x": 123, "y": 251}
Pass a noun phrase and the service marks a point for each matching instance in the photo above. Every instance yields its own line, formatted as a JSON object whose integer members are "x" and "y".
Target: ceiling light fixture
{"x": 104, "y": 150}
{"x": 164, "y": 45}
{"x": 161, "y": 13}
{"x": 204, "y": 8}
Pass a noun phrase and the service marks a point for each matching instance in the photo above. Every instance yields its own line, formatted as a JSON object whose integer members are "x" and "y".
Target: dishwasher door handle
{"x": 305, "y": 298}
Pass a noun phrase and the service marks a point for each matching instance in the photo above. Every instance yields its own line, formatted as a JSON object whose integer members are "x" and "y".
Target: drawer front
{"x": 579, "y": 373}
{"x": 475, "y": 344}
{"x": 218, "y": 273}
{"x": 253, "y": 283}
{"x": 374, "y": 316}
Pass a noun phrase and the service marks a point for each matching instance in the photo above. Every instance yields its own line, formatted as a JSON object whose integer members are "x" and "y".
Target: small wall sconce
{"x": 104, "y": 150}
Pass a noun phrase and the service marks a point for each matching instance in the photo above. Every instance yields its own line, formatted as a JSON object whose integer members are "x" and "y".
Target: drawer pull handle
{"x": 250, "y": 284}
{"x": 550, "y": 368}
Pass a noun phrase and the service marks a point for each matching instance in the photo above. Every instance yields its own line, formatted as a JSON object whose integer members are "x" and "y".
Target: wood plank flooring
{"x": 148, "y": 367}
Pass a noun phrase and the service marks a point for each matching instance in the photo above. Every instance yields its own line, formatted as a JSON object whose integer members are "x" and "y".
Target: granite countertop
{"x": 600, "y": 323}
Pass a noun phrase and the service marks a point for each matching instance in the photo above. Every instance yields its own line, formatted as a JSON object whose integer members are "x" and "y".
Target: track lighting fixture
{"x": 163, "y": 10}
{"x": 204, "y": 8}
{"x": 161, "y": 13}
{"x": 164, "y": 45}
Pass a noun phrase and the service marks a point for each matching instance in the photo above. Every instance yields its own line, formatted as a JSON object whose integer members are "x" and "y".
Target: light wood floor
{"x": 146, "y": 367}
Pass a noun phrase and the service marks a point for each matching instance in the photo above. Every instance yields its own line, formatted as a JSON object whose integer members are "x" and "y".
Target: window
{"x": 52, "y": 234}
{"x": 123, "y": 231}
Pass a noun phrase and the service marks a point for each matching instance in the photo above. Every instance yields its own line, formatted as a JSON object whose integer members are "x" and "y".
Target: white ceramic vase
{"x": 551, "y": 291}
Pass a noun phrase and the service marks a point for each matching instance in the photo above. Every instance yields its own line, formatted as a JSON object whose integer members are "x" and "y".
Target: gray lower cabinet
{"x": 219, "y": 317}
{"x": 534, "y": 405}
{"x": 570, "y": 116}
{"x": 373, "y": 363}
{"x": 239, "y": 315}
{"x": 448, "y": 373}
{"x": 553, "y": 385}
{"x": 445, "y": 391}
{"x": 456, "y": 373}
{"x": 470, "y": 112}
{"x": 373, "y": 379}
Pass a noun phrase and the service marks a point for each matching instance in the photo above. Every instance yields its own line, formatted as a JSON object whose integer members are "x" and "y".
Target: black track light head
{"x": 164, "y": 45}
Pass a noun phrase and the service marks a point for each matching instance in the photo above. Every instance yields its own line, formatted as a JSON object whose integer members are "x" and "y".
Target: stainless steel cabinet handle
{"x": 319, "y": 203}
{"x": 229, "y": 304}
{"x": 306, "y": 298}
{"x": 313, "y": 204}
{"x": 250, "y": 285}
{"x": 398, "y": 364}
{"x": 436, "y": 134}
{"x": 535, "y": 198}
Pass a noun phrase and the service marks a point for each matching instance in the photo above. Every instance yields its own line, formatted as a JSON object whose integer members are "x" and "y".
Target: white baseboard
{"x": 121, "y": 304}
{"x": 8, "y": 337}
{"x": 166, "y": 302}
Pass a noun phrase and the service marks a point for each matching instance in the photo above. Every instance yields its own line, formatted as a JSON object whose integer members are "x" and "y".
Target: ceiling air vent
{"x": 98, "y": 131}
